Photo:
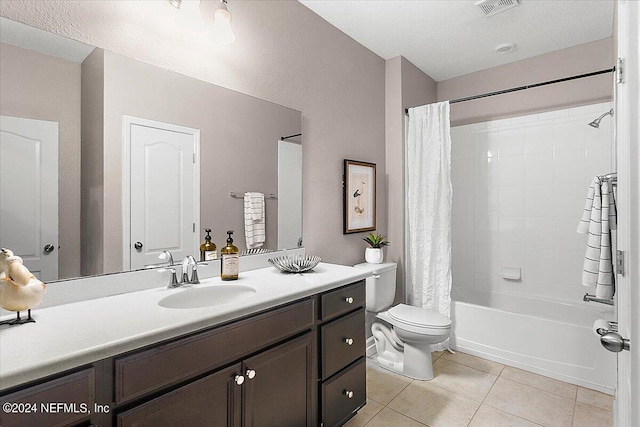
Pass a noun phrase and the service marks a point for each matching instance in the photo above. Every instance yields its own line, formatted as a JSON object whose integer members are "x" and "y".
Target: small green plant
{"x": 376, "y": 240}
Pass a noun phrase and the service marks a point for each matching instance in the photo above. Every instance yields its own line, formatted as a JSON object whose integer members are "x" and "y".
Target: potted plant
{"x": 374, "y": 254}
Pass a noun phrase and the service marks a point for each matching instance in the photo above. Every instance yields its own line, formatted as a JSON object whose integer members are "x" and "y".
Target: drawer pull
{"x": 348, "y": 393}
{"x": 251, "y": 373}
{"x": 349, "y": 341}
{"x": 239, "y": 379}
{"x": 349, "y": 300}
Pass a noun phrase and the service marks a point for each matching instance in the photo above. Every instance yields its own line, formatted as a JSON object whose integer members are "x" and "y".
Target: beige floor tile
{"x": 590, "y": 416}
{"x": 491, "y": 417}
{"x": 484, "y": 365}
{"x": 434, "y": 406}
{"x": 461, "y": 379}
{"x": 384, "y": 385}
{"x": 531, "y": 403}
{"x": 365, "y": 414}
{"x": 435, "y": 355}
{"x": 595, "y": 398}
{"x": 538, "y": 381}
{"x": 389, "y": 418}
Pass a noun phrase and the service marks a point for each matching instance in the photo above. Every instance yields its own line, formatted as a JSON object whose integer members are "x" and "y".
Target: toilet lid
{"x": 418, "y": 316}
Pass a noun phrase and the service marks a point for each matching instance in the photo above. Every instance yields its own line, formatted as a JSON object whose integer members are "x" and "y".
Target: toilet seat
{"x": 419, "y": 320}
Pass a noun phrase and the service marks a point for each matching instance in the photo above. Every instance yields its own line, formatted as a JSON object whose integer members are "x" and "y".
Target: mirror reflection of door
{"x": 29, "y": 193}
{"x": 164, "y": 198}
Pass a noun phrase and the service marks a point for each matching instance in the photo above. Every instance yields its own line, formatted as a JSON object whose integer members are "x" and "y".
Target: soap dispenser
{"x": 208, "y": 250}
{"x": 230, "y": 260}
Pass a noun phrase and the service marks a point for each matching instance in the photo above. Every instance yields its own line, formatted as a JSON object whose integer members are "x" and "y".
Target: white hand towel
{"x": 254, "y": 219}
{"x": 600, "y": 212}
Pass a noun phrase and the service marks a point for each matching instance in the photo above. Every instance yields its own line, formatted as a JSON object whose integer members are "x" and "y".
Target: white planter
{"x": 373, "y": 255}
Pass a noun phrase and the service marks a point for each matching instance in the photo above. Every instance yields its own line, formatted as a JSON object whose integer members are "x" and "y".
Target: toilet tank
{"x": 381, "y": 285}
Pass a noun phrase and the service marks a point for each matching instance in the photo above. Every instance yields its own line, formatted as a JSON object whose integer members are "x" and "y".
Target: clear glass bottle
{"x": 208, "y": 250}
{"x": 229, "y": 260}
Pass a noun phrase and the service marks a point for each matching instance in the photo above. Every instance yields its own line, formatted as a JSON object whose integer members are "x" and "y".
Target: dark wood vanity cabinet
{"x": 342, "y": 370}
{"x": 300, "y": 364}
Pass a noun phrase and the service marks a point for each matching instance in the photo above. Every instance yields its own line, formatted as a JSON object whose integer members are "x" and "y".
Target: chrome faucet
{"x": 166, "y": 256}
{"x": 190, "y": 261}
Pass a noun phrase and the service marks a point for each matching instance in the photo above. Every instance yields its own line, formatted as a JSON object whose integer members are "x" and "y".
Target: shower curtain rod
{"x": 290, "y": 136}
{"x": 519, "y": 88}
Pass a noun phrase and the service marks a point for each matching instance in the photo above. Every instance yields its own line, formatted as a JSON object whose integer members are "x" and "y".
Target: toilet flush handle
{"x": 376, "y": 276}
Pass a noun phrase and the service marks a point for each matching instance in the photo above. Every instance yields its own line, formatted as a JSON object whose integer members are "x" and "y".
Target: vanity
{"x": 289, "y": 354}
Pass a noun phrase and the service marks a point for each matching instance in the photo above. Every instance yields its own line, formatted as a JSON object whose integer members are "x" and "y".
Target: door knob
{"x": 138, "y": 245}
{"x": 613, "y": 341}
{"x": 239, "y": 379}
{"x": 48, "y": 248}
{"x": 251, "y": 373}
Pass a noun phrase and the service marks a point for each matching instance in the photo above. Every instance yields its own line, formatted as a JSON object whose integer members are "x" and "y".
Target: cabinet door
{"x": 282, "y": 392}
{"x": 213, "y": 401}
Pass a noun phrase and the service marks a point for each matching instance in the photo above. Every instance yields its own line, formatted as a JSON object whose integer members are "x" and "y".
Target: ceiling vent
{"x": 493, "y": 7}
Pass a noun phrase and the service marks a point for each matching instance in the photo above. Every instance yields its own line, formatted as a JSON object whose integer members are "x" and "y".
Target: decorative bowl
{"x": 295, "y": 263}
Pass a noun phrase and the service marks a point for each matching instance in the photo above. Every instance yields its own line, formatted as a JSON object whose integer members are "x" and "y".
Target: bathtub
{"x": 547, "y": 337}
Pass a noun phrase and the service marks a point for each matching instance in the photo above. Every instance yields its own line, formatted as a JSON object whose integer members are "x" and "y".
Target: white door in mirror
{"x": 29, "y": 193}
{"x": 164, "y": 191}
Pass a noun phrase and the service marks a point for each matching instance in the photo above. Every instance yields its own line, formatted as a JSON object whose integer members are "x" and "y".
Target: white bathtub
{"x": 542, "y": 336}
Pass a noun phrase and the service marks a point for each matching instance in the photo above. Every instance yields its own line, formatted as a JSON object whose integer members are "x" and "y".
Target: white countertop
{"x": 70, "y": 335}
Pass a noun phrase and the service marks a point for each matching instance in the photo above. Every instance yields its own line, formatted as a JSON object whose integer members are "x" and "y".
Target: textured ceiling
{"x": 449, "y": 38}
{"x": 17, "y": 34}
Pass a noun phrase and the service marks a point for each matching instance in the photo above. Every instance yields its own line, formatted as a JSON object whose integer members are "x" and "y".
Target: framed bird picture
{"x": 359, "y": 197}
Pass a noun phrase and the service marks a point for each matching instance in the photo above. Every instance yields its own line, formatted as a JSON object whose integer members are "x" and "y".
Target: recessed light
{"x": 504, "y": 48}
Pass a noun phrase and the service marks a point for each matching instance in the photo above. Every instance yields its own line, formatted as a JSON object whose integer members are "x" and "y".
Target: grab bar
{"x": 593, "y": 298}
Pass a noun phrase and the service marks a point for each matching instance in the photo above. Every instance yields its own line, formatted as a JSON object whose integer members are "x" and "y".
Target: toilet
{"x": 403, "y": 334}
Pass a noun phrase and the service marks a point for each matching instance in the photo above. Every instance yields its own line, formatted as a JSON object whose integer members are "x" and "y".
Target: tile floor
{"x": 474, "y": 392}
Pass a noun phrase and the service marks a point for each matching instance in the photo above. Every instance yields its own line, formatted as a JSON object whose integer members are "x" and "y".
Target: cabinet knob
{"x": 348, "y": 393}
{"x": 250, "y": 374}
{"x": 239, "y": 379}
{"x": 349, "y": 341}
{"x": 349, "y": 300}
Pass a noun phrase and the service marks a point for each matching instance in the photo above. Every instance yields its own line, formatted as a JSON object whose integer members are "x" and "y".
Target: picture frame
{"x": 359, "y": 196}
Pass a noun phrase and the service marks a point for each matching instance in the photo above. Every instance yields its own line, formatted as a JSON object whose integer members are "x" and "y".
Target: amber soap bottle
{"x": 229, "y": 260}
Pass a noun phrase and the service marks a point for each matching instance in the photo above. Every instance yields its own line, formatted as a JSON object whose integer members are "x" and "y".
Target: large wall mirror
{"x": 106, "y": 160}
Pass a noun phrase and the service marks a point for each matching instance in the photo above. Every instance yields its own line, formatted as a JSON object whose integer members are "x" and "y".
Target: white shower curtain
{"x": 428, "y": 203}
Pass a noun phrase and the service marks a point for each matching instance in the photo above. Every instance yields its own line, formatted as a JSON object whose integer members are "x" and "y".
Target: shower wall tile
{"x": 569, "y": 135}
{"x": 569, "y": 167}
{"x": 511, "y": 201}
{"x": 538, "y": 168}
{"x": 511, "y": 170}
{"x": 538, "y": 137}
{"x": 519, "y": 190}
{"x": 511, "y": 142}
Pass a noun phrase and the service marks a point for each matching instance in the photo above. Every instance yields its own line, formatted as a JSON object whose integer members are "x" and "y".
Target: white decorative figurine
{"x": 19, "y": 288}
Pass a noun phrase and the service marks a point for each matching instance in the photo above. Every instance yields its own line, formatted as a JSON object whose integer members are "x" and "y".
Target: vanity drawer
{"x": 343, "y": 300}
{"x": 148, "y": 370}
{"x": 337, "y": 406}
{"x": 336, "y": 351}
{"x": 76, "y": 391}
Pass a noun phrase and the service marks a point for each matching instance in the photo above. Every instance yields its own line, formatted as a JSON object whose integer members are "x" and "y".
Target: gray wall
{"x": 285, "y": 54}
{"x": 27, "y": 90}
{"x": 93, "y": 163}
{"x": 595, "y": 56}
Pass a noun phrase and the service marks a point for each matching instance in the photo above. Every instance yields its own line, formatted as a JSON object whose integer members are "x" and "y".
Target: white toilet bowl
{"x": 404, "y": 334}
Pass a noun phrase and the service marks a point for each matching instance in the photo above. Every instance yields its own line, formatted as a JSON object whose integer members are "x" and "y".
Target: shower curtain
{"x": 428, "y": 203}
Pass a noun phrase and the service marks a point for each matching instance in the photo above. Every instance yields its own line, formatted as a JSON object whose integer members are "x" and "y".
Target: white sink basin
{"x": 198, "y": 297}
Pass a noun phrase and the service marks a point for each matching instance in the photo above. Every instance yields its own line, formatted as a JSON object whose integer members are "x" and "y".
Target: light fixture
{"x": 504, "y": 48}
{"x": 188, "y": 16}
{"x": 221, "y": 31}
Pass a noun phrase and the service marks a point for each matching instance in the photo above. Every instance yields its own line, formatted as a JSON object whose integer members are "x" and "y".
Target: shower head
{"x": 596, "y": 122}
